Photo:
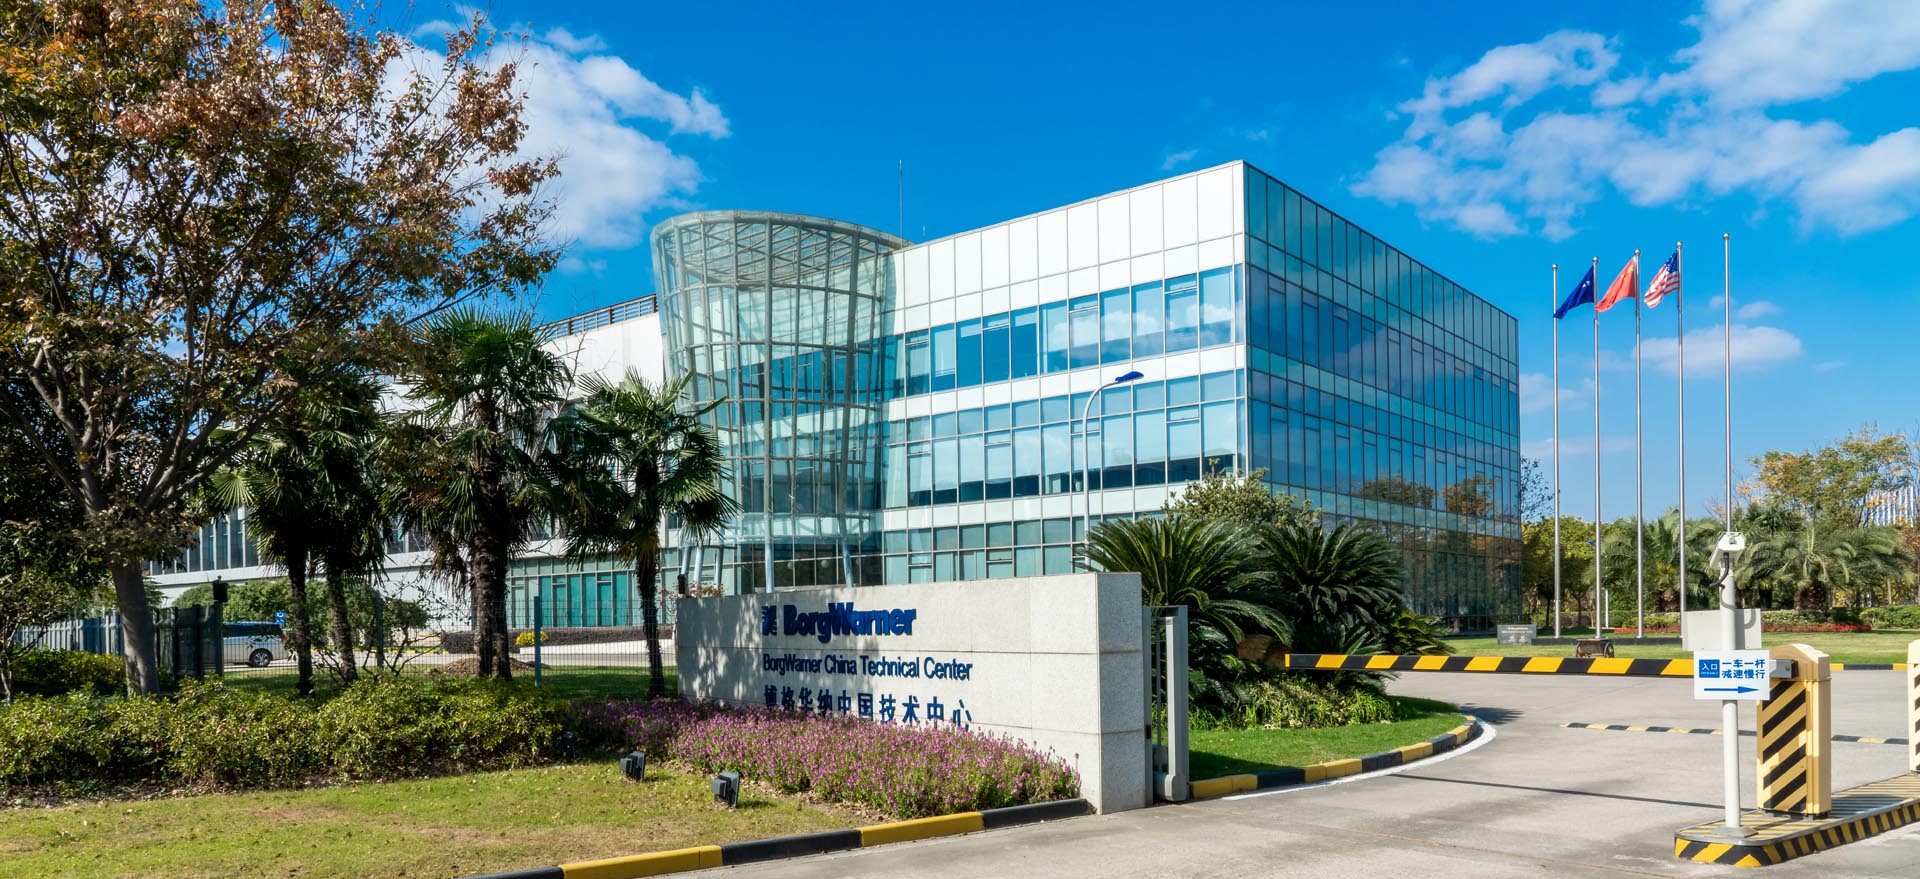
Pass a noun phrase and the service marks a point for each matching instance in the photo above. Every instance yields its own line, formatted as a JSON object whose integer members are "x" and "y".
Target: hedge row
{"x": 1840, "y": 619}
{"x": 50, "y": 672}
{"x": 210, "y": 734}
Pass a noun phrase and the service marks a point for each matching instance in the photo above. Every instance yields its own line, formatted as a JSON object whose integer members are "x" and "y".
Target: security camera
{"x": 1728, "y": 550}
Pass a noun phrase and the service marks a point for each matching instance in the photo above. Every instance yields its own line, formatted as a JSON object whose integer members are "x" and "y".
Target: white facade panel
{"x": 1053, "y": 243}
{"x": 1216, "y": 202}
{"x": 1182, "y": 261}
{"x": 1180, "y": 207}
{"x": 1147, "y": 224}
{"x": 1151, "y": 267}
{"x": 1083, "y": 282}
{"x": 912, "y": 283}
{"x": 993, "y": 256}
{"x": 1083, "y": 236}
{"x": 1115, "y": 275}
{"x": 1023, "y": 250}
{"x": 1116, "y": 242}
{"x": 966, "y": 264}
{"x": 940, "y": 269}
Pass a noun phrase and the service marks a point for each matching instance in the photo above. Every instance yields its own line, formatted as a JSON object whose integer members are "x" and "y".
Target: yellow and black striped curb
{"x": 737, "y": 853}
{"x": 1868, "y": 810}
{"x": 1332, "y": 769}
{"x": 1869, "y": 666}
{"x": 1520, "y": 665}
{"x": 1692, "y": 731}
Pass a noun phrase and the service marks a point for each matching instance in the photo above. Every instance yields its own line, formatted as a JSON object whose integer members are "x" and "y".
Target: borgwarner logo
{"x": 837, "y": 619}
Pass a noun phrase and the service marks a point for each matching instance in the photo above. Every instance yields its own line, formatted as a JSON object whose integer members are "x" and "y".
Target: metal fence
{"x": 187, "y": 641}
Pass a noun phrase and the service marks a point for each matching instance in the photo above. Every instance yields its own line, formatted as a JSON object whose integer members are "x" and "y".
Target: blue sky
{"x": 1489, "y": 146}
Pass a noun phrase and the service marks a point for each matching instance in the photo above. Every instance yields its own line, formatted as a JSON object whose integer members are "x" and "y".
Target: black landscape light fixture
{"x": 726, "y": 788}
{"x": 219, "y": 585}
{"x": 634, "y": 766}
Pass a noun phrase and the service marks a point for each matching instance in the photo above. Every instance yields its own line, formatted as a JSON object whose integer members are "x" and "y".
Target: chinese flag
{"x": 1624, "y": 284}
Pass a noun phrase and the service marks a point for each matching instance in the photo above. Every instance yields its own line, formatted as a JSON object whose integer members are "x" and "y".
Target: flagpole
{"x": 1556, "y": 452}
{"x": 1639, "y": 473}
{"x": 1597, "y": 590}
{"x": 1680, "y": 327}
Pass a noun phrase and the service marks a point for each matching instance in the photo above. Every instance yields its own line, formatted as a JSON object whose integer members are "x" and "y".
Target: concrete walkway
{"x": 1538, "y": 800}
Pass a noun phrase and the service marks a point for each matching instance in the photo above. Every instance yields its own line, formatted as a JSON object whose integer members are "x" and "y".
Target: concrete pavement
{"x": 1538, "y": 800}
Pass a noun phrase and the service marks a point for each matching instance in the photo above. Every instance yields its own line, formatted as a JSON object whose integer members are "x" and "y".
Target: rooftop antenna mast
{"x": 901, "y": 229}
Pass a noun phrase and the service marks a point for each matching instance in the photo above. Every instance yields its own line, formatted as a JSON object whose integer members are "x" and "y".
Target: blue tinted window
{"x": 972, "y": 421}
{"x": 1025, "y": 343}
{"x": 1182, "y": 391}
{"x": 967, "y": 354}
{"x": 943, "y": 358}
{"x": 919, "y": 428}
{"x": 1026, "y": 413}
{"x": 1216, "y": 307}
{"x": 1116, "y": 325}
{"x": 1053, "y": 330}
{"x": 995, "y": 341}
{"x": 1149, "y": 395}
{"x": 1026, "y": 462}
{"x": 1183, "y": 314}
{"x": 1149, "y": 320}
{"x": 999, "y": 417}
{"x": 1218, "y": 386}
{"x": 919, "y": 363}
{"x": 945, "y": 423}
{"x": 1054, "y": 409}
{"x": 1084, "y": 321}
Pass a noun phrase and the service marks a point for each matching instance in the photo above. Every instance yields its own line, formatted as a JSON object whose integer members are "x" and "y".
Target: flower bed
{"x": 1769, "y": 627}
{"x": 907, "y": 771}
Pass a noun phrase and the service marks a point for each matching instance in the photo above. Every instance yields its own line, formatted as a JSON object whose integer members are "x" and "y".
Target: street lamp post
{"x": 1086, "y": 455}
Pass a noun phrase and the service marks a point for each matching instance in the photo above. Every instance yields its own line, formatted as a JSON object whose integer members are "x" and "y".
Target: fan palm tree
{"x": 295, "y": 481}
{"x": 1339, "y": 587}
{"x": 660, "y": 461}
{"x": 1811, "y": 564}
{"x": 1660, "y": 549}
{"x": 476, "y": 469}
{"x": 1204, "y": 565}
{"x": 351, "y": 530}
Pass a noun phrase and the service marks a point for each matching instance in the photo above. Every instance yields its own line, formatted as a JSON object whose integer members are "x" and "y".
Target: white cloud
{"x": 1536, "y": 392}
{"x": 1574, "y": 443}
{"x": 1752, "y": 348}
{"x": 1755, "y": 310}
{"x": 603, "y": 120}
{"x": 1527, "y": 136}
{"x": 1176, "y": 159}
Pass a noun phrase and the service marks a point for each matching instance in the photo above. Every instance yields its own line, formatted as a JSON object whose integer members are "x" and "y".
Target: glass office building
{"x": 900, "y": 413}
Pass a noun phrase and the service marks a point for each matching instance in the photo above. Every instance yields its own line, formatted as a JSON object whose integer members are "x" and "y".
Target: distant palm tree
{"x": 1341, "y": 587}
{"x": 663, "y": 462}
{"x": 1660, "y": 548}
{"x": 474, "y": 465}
{"x": 299, "y": 482}
{"x": 1812, "y": 564}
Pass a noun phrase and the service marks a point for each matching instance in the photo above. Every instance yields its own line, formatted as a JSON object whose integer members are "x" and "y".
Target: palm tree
{"x": 662, "y": 462}
{"x": 475, "y": 465}
{"x": 1812, "y": 564}
{"x": 350, "y": 532}
{"x": 1660, "y": 548}
{"x": 1339, "y": 587}
{"x": 1202, "y": 564}
{"x": 290, "y": 480}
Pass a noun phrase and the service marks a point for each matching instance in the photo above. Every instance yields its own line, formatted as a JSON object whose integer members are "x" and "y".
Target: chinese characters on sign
{"x": 1731, "y": 674}
{"x": 855, "y": 698}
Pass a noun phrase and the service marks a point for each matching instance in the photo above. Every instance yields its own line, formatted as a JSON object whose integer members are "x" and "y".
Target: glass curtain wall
{"x": 776, "y": 320}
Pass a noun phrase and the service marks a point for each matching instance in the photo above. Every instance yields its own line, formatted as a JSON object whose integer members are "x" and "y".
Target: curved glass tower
{"x": 777, "y": 319}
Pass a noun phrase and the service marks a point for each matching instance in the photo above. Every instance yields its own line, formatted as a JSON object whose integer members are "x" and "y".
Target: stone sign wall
{"x": 1053, "y": 661}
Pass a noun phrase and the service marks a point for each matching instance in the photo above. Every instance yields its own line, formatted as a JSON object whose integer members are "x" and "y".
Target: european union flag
{"x": 1582, "y": 294}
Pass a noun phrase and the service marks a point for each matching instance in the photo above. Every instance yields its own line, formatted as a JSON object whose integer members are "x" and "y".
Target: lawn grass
{"x": 1213, "y": 753}
{"x": 1884, "y": 645}
{"x": 453, "y": 826}
{"x": 567, "y": 681}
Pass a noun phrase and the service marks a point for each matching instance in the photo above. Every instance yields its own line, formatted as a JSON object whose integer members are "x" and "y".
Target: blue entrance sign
{"x": 1731, "y": 674}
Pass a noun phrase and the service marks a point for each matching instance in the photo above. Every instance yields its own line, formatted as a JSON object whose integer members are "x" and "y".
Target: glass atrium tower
{"x": 776, "y": 319}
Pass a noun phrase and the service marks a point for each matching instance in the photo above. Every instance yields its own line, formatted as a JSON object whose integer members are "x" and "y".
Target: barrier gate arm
{"x": 1549, "y": 665}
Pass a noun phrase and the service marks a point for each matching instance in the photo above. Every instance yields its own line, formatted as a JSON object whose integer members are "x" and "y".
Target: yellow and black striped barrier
{"x": 1865, "y": 811}
{"x": 1519, "y": 665}
{"x": 1795, "y": 726}
{"x": 1913, "y": 706}
{"x": 1698, "y": 731}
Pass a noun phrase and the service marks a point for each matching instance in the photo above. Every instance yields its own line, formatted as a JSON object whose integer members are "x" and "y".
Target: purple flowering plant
{"x": 903, "y": 770}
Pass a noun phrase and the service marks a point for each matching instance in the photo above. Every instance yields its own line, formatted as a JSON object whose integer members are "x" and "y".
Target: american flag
{"x": 1665, "y": 281}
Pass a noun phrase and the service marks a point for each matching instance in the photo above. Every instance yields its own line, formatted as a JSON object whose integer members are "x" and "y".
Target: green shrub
{"x": 393, "y": 727}
{"x": 1296, "y": 703}
{"x": 380, "y": 727}
{"x": 1663, "y": 620}
{"x": 243, "y": 737}
{"x": 1899, "y": 616}
{"x": 50, "y": 672}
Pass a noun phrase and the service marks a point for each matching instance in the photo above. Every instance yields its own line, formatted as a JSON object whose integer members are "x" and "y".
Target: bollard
{"x": 1913, "y": 707}
{"x": 1795, "y": 737}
